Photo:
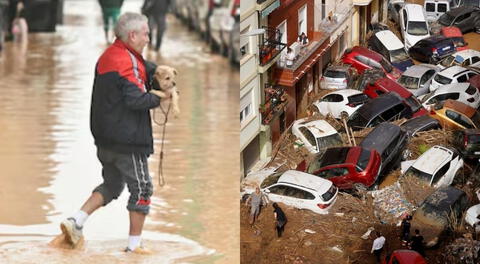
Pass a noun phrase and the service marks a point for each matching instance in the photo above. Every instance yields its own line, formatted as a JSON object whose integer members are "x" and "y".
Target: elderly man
{"x": 121, "y": 126}
{"x": 256, "y": 199}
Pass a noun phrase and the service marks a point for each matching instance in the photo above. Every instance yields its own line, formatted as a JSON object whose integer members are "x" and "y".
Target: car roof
{"x": 419, "y": 121}
{"x": 319, "y": 128}
{"x": 459, "y": 107}
{"x": 345, "y": 92}
{"x": 378, "y": 105}
{"x": 444, "y": 197}
{"x": 408, "y": 256}
{"x": 461, "y": 10}
{"x": 305, "y": 180}
{"x": 452, "y": 87}
{"x": 432, "y": 159}
{"x": 367, "y": 52}
{"x": 418, "y": 70}
{"x": 389, "y": 40}
{"x": 451, "y": 31}
{"x": 381, "y": 136}
{"x": 415, "y": 12}
{"x": 452, "y": 71}
{"x": 466, "y": 53}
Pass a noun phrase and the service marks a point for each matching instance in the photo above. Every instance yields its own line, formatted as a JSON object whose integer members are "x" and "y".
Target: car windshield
{"x": 413, "y": 103}
{"x": 412, "y": 171}
{"x": 417, "y": 28}
{"x": 398, "y": 55}
{"x": 329, "y": 157}
{"x": 357, "y": 99}
{"x": 448, "y": 61}
{"x": 329, "y": 194}
{"x": 442, "y": 79}
{"x": 357, "y": 120}
{"x": 329, "y": 141}
{"x": 363, "y": 160}
{"x": 386, "y": 65}
{"x": 408, "y": 82}
{"x": 427, "y": 97}
{"x": 271, "y": 179}
{"x": 446, "y": 19}
{"x": 335, "y": 74}
{"x": 459, "y": 42}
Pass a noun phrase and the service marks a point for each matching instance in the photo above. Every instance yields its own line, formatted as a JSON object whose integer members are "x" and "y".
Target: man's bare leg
{"x": 137, "y": 219}
{"x": 94, "y": 202}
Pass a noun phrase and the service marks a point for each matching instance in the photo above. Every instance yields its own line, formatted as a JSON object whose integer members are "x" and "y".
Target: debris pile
{"x": 391, "y": 204}
{"x": 463, "y": 250}
{"x": 415, "y": 189}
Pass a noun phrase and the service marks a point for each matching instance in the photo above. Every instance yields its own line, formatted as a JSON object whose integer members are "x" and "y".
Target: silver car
{"x": 337, "y": 77}
{"x": 417, "y": 78}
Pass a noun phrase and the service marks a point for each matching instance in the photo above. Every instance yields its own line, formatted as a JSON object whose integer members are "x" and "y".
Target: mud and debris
{"x": 463, "y": 250}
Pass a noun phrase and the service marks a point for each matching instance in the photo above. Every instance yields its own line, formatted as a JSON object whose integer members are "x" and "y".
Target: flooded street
{"x": 49, "y": 164}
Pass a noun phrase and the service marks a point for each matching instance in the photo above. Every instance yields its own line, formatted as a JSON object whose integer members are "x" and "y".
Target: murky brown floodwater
{"x": 49, "y": 165}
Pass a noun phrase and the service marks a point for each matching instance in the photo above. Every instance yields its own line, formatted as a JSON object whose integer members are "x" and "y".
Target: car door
{"x": 282, "y": 193}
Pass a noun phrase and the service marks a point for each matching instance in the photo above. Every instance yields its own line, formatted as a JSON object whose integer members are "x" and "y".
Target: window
{"x": 462, "y": 78}
{"x": 297, "y": 193}
{"x": 460, "y": 119}
{"x": 302, "y": 20}
{"x": 404, "y": 18}
{"x": 334, "y": 172}
{"x": 308, "y": 135}
{"x": 244, "y": 43}
{"x": 282, "y": 33}
{"x": 333, "y": 98}
{"x": 427, "y": 76}
{"x": 362, "y": 59}
{"x": 430, "y": 7}
{"x": 442, "y": 8}
{"x": 475, "y": 59}
{"x": 324, "y": 7}
{"x": 439, "y": 174}
{"x": 278, "y": 189}
{"x": 471, "y": 90}
{"x": 471, "y": 74}
{"x": 246, "y": 108}
{"x": 393, "y": 113}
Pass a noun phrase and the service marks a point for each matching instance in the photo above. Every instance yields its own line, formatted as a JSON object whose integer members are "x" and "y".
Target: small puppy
{"x": 165, "y": 76}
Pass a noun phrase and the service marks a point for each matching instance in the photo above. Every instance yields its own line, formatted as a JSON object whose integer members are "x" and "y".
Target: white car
{"x": 452, "y": 74}
{"x": 417, "y": 78}
{"x": 336, "y": 77}
{"x": 413, "y": 24}
{"x": 462, "y": 92}
{"x": 472, "y": 217}
{"x": 438, "y": 166}
{"x": 341, "y": 103}
{"x": 461, "y": 58}
{"x": 316, "y": 135}
{"x": 299, "y": 190}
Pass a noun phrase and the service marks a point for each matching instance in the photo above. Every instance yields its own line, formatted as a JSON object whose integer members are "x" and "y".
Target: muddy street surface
{"x": 49, "y": 164}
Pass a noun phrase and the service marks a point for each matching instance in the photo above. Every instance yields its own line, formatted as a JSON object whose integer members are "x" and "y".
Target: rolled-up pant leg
{"x": 132, "y": 169}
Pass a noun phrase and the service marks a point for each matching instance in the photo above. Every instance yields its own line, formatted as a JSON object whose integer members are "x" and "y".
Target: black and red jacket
{"x": 119, "y": 115}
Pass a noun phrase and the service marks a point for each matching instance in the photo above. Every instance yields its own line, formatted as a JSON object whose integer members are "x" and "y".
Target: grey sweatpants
{"x": 120, "y": 168}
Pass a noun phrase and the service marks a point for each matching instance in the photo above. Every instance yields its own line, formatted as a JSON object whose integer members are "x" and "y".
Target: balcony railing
{"x": 270, "y": 46}
{"x": 305, "y": 52}
{"x": 275, "y": 100}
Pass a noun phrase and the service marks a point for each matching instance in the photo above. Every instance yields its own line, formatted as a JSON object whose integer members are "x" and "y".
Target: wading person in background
{"x": 377, "y": 246}
{"x": 255, "y": 199}
{"x": 280, "y": 219}
{"x": 110, "y": 12}
{"x": 156, "y": 11}
{"x": 121, "y": 126}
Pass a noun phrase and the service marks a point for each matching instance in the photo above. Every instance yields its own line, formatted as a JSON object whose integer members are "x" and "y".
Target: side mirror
{"x": 266, "y": 190}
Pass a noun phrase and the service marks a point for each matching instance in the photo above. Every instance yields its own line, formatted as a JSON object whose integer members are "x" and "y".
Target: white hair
{"x": 127, "y": 23}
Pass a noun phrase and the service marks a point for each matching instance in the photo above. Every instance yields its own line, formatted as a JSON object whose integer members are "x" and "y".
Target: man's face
{"x": 139, "y": 39}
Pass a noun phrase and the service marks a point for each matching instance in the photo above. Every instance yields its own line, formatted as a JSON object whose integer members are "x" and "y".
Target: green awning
{"x": 270, "y": 8}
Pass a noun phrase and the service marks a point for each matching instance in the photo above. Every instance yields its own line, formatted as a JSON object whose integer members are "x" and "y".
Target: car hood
{"x": 411, "y": 40}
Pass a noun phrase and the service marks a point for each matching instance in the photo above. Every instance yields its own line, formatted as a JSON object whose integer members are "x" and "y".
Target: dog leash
{"x": 161, "y": 179}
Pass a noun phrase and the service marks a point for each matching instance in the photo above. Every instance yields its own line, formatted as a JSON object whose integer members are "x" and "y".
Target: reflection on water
{"x": 48, "y": 157}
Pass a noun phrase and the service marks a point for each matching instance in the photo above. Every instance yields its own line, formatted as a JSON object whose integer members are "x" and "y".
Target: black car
{"x": 420, "y": 123}
{"x": 385, "y": 108}
{"x": 466, "y": 18}
{"x": 389, "y": 140}
{"x": 467, "y": 142}
{"x": 432, "y": 49}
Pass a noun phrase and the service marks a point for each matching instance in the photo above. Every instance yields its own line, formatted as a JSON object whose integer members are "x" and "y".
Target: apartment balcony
{"x": 305, "y": 58}
{"x": 269, "y": 49}
{"x": 275, "y": 101}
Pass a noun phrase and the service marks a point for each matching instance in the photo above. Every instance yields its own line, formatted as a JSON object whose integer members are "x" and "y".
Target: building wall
{"x": 250, "y": 92}
{"x": 288, "y": 10}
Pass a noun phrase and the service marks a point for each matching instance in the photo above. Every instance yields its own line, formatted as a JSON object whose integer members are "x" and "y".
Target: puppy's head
{"x": 165, "y": 77}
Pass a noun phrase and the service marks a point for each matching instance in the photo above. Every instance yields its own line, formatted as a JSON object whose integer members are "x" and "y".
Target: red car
{"x": 346, "y": 167}
{"x": 456, "y": 35}
{"x": 362, "y": 58}
{"x": 404, "y": 256}
{"x": 380, "y": 86}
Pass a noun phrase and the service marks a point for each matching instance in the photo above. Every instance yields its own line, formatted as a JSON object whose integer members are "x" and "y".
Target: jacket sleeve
{"x": 133, "y": 96}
